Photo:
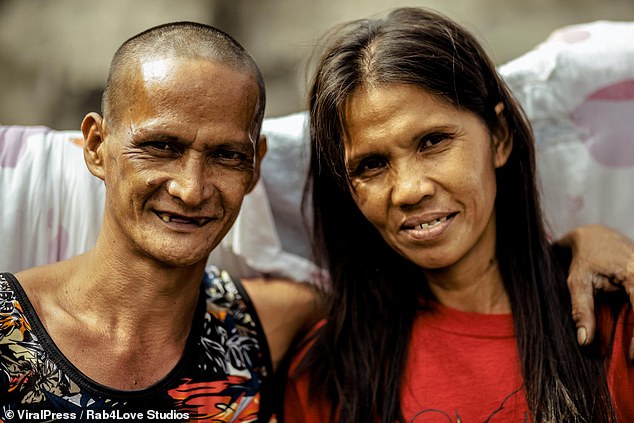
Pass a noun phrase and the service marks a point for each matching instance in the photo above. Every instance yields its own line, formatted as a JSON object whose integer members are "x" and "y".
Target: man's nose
{"x": 189, "y": 183}
{"x": 410, "y": 185}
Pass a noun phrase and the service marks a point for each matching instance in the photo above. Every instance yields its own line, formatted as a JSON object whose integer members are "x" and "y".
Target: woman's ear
{"x": 502, "y": 138}
{"x": 93, "y": 129}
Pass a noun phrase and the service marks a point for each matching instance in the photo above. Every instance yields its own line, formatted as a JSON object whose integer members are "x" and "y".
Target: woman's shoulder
{"x": 301, "y": 348}
{"x": 615, "y": 321}
{"x": 300, "y": 402}
{"x": 615, "y": 325}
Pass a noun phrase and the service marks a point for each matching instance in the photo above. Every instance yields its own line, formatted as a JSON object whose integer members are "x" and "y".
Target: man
{"x": 128, "y": 327}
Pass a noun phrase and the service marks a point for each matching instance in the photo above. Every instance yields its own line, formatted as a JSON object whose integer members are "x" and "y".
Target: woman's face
{"x": 423, "y": 173}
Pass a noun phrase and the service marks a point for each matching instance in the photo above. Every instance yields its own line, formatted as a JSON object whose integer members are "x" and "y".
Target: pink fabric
{"x": 606, "y": 117}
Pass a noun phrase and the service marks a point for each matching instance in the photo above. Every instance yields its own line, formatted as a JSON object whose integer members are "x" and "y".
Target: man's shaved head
{"x": 188, "y": 40}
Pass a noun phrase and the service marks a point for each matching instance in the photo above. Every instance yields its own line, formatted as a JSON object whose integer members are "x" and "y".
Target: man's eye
{"x": 229, "y": 155}
{"x": 162, "y": 146}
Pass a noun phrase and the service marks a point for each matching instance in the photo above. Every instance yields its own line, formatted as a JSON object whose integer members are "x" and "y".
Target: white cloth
{"x": 577, "y": 89}
{"x": 51, "y": 207}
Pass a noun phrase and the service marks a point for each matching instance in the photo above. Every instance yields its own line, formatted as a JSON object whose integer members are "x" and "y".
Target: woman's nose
{"x": 410, "y": 185}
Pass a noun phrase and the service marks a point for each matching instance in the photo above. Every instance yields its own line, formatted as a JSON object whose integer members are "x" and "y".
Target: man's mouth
{"x": 185, "y": 220}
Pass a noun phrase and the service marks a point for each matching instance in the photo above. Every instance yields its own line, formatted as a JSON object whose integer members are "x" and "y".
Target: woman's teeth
{"x": 433, "y": 223}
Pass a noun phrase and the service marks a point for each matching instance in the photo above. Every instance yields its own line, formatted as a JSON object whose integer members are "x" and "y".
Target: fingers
{"x": 603, "y": 260}
{"x": 582, "y": 298}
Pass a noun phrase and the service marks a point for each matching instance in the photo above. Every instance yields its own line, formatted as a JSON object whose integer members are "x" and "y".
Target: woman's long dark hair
{"x": 359, "y": 355}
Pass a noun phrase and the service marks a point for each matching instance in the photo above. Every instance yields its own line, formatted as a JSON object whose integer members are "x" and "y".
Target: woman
{"x": 447, "y": 303}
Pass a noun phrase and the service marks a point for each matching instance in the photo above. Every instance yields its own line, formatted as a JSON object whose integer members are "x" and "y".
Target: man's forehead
{"x": 199, "y": 76}
{"x": 155, "y": 69}
{"x": 174, "y": 96}
{"x": 163, "y": 86}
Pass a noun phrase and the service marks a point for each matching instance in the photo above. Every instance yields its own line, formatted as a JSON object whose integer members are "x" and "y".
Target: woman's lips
{"x": 427, "y": 228}
{"x": 427, "y": 221}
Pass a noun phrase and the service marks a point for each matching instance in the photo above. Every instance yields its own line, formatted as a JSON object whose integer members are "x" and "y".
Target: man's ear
{"x": 502, "y": 138}
{"x": 260, "y": 152}
{"x": 93, "y": 129}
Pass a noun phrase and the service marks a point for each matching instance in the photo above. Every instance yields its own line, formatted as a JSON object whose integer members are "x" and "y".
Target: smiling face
{"x": 178, "y": 161}
{"x": 423, "y": 173}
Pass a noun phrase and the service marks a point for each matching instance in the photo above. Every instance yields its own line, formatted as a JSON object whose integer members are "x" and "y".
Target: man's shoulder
{"x": 9, "y": 295}
{"x": 231, "y": 321}
{"x": 14, "y": 323}
{"x": 222, "y": 289}
{"x": 227, "y": 300}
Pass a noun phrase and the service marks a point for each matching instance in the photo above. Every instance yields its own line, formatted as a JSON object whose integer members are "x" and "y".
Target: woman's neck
{"x": 478, "y": 288}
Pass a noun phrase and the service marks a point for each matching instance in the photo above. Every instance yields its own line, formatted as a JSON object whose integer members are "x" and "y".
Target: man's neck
{"x": 132, "y": 289}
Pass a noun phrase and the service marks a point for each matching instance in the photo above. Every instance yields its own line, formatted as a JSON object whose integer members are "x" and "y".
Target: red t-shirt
{"x": 463, "y": 367}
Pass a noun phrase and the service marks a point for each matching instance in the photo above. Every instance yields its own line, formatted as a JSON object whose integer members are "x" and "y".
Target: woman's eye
{"x": 368, "y": 166}
{"x": 431, "y": 140}
{"x": 373, "y": 163}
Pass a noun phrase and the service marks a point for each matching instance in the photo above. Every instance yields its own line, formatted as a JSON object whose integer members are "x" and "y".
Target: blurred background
{"x": 54, "y": 54}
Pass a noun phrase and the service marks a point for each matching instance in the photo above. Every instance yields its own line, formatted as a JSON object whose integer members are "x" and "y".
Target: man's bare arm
{"x": 602, "y": 260}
